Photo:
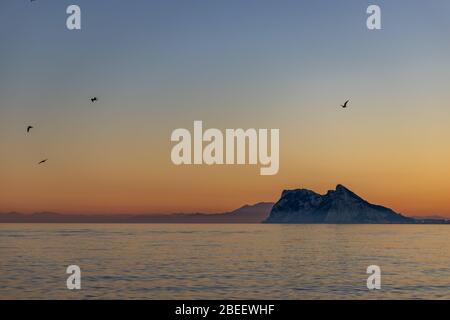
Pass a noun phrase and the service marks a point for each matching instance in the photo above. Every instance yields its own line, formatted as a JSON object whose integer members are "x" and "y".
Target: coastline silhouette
{"x": 299, "y": 206}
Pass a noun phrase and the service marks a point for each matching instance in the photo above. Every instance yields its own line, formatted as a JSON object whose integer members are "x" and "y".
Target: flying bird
{"x": 345, "y": 104}
{"x": 93, "y": 99}
{"x": 42, "y": 161}
{"x": 29, "y": 128}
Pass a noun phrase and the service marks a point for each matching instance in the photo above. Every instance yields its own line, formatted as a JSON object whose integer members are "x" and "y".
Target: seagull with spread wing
{"x": 345, "y": 104}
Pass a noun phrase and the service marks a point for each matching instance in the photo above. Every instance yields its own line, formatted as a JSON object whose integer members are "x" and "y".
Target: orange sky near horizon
{"x": 403, "y": 167}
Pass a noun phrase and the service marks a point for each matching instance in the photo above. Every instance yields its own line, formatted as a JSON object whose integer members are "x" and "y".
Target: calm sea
{"x": 161, "y": 261}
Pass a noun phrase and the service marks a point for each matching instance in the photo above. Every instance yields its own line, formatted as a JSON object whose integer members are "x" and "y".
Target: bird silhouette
{"x": 93, "y": 99}
{"x": 345, "y": 104}
{"x": 29, "y": 128}
{"x": 42, "y": 161}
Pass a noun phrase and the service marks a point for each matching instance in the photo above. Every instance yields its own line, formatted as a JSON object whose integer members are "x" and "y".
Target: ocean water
{"x": 174, "y": 261}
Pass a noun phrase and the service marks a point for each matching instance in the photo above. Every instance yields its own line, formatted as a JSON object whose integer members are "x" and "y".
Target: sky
{"x": 160, "y": 65}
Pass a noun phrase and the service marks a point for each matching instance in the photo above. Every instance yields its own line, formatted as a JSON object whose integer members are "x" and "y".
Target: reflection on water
{"x": 157, "y": 261}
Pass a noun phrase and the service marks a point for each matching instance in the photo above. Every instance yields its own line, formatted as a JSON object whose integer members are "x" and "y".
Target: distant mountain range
{"x": 247, "y": 214}
{"x": 339, "y": 206}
